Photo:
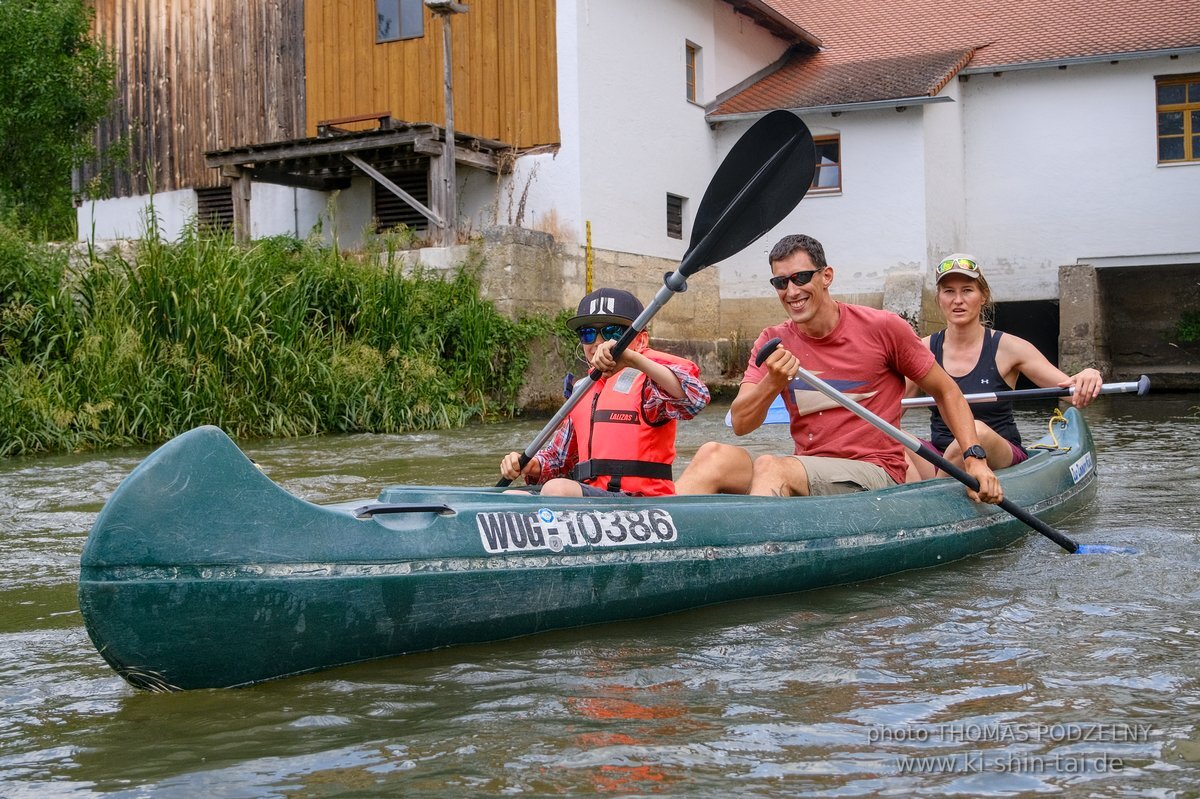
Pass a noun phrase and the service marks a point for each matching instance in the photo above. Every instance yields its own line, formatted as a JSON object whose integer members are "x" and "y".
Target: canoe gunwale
{"x": 329, "y": 570}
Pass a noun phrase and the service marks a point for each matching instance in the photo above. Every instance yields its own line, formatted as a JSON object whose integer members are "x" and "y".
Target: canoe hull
{"x": 200, "y": 572}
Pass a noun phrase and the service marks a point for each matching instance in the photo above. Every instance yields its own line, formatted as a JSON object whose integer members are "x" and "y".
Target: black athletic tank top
{"x": 985, "y": 377}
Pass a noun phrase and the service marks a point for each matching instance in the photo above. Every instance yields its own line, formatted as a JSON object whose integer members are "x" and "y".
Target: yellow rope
{"x": 1056, "y": 418}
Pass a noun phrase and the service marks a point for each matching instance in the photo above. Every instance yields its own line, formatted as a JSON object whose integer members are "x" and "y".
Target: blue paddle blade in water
{"x": 1105, "y": 549}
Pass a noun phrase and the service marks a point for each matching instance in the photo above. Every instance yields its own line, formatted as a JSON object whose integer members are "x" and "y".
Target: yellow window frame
{"x": 1189, "y": 109}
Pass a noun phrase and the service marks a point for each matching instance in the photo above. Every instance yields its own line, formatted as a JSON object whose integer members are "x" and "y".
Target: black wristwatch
{"x": 975, "y": 451}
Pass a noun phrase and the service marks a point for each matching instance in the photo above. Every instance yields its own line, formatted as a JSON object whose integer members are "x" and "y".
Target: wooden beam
{"x": 477, "y": 160}
{"x": 384, "y": 118}
{"x": 382, "y": 180}
{"x": 446, "y": 9}
{"x": 427, "y": 145}
{"x": 435, "y": 181}
{"x": 301, "y": 181}
{"x": 241, "y": 206}
{"x": 306, "y": 148}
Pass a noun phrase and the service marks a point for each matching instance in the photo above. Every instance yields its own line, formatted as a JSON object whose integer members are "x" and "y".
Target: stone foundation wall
{"x": 531, "y": 272}
{"x": 1081, "y": 335}
{"x": 1127, "y": 319}
{"x": 528, "y": 272}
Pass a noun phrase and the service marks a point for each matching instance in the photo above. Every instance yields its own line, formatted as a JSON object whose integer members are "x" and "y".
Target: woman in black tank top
{"x": 983, "y": 360}
{"x": 985, "y": 377}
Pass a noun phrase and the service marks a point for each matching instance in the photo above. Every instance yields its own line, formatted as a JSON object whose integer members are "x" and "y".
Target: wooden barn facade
{"x": 194, "y": 76}
{"x": 504, "y": 66}
{"x": 215, "y": 95}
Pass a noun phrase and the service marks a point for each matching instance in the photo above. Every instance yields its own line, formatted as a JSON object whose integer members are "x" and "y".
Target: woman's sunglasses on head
{"x": 961, "y": 263}
{"x": 610, "y": 333}
{"x": 797, "y": 279}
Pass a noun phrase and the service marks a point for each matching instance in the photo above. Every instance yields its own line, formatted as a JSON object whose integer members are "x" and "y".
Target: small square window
{"x": 828, "y": 177}
{"x": 674, "y": 216}
{"x": 399, "y": 19}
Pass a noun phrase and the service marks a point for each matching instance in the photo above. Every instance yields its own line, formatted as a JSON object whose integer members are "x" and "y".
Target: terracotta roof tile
{"x": 905, "y": 48}
{"x": 812, "y": 80}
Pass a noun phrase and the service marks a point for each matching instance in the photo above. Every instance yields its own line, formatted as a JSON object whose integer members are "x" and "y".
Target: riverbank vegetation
{"x": 1187, "y": 329}
{"x": 278, "y": 338}
{"x": 56, "y": 84}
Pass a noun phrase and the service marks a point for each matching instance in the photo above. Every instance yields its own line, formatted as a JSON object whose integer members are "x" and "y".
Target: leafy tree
{"x": 56, "y": 83}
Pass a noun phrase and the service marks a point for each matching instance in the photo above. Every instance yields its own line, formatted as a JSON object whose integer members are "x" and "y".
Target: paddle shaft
{"x": 1139, "y": 387}
{"x": 777, "y": 414}
{"x": 937, "y": 460}
{"x": 696, "y": 258}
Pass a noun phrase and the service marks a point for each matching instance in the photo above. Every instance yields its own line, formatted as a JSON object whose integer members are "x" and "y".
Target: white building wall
{"x": 741, "y": 49}
{"x": 641, "y": 138}
{"x": 478, "y": 198}
{"x": 274, "y": 210}
{"x": 347, "y": 214}
{"x": 126, "y": 217}
{"x": 629, "y": 134}
{"x": 1062, "y": 165}
{"x": 945, "y": 200}
{"x": 282, "y": 210}
{"x": 352, "y": 215}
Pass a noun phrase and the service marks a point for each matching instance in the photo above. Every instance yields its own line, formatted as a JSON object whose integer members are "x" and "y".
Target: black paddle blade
{"x": 760, "y": 181}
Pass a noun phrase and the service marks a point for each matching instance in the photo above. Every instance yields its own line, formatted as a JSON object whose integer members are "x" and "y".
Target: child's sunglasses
{"x": 610, "y": 333}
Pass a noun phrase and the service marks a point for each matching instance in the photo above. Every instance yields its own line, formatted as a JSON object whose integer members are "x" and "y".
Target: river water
{"x": 1019, "y": 672}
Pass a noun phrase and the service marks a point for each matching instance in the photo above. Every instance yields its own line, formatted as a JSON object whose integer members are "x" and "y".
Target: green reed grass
{"x": 278, "y": 338}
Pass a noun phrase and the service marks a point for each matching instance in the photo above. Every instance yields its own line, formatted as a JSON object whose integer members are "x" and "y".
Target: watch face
{"x": 975, "y": 451}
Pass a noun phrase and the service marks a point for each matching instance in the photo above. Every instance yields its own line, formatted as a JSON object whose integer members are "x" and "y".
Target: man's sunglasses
{"x": 610, "y": 333}
{"x": 961, "y": 263}
{"x": 797, "y": 279}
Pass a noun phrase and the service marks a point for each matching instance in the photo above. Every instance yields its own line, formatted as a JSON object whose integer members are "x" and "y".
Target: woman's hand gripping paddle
{"x": 761, "y": 180}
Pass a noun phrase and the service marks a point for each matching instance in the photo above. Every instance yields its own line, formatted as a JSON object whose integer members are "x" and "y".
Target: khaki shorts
{"x": 827, "y": 476}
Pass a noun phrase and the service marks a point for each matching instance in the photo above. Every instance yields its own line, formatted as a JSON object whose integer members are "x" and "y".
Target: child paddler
{"x": 619, "y": 438}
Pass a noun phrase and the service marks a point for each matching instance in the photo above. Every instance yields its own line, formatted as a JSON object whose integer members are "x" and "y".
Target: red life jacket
{"x": 618, "y": 449}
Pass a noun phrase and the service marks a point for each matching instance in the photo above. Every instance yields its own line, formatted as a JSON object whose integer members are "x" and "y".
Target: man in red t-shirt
{"x": 863, "y": 352}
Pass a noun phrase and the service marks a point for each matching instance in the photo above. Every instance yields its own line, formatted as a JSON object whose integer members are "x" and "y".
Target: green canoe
{"x": 200, "y": 572}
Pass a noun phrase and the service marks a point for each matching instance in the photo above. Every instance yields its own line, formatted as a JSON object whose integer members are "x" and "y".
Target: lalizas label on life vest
{"x": 544, "y": 529}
